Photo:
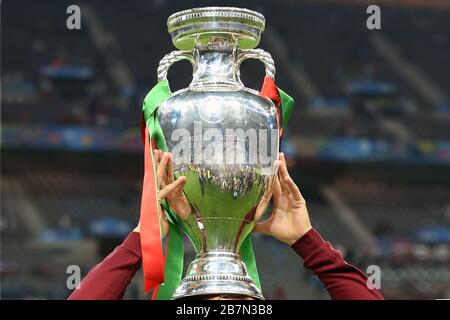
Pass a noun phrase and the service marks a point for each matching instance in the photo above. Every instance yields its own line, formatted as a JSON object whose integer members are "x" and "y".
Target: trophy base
{"x": 217, "y": 273}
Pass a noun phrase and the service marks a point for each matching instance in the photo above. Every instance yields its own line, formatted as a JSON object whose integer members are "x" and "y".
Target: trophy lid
{"x": 201, "y": 24}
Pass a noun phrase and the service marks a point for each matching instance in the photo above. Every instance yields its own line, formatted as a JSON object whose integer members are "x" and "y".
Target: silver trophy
{"x": 224, "y": 138}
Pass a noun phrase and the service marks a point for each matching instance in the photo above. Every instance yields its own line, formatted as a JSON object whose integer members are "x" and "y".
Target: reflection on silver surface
{"x": 224, "y": 139}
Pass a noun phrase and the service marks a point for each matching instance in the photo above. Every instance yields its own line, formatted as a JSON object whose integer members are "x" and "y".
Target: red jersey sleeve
{"x": 342, "y": 280}
{"x": 109, "y": 279}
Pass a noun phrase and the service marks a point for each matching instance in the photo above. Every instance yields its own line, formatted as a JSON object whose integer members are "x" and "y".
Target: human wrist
{"x": 307, "y": 244}
{"x": 297, "y": 236}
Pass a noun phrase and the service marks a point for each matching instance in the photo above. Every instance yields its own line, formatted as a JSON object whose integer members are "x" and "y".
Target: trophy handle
{"x": 262, "y": 56}
{"x": 170, "y": 59}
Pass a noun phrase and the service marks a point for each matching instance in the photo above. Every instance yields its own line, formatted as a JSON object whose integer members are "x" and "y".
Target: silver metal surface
{"x": 216, "y": 273}
{"x": 194, "y": 26}
{"x": 224, "y": 138}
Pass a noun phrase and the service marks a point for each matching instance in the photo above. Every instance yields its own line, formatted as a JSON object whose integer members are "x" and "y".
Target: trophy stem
{"x": 217, "y": 273}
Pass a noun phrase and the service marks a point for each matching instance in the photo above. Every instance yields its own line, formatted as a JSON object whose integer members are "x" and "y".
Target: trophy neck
{"x": 216, "y": 64}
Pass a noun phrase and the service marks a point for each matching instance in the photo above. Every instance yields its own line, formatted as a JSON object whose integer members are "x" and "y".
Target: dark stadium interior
{"x": 368, "y": 142}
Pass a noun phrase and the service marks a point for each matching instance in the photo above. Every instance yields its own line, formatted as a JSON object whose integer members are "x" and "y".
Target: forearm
{"x": 109, "y": 279}
{"x": 342, "y": 280}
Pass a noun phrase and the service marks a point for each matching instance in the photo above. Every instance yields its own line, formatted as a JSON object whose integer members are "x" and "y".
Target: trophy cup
{"x": 224, "y": 138}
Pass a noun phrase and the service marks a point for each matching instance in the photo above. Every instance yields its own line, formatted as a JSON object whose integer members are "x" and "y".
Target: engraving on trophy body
{"x": 224, "y": 138}
{"x": 223, "y": 194}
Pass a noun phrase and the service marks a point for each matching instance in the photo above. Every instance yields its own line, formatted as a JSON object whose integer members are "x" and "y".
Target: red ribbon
{"x": 152, "y": 254}
{"x": 269, "y": 90}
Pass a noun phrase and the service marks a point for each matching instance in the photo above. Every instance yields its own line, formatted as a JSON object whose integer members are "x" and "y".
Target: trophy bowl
{"x": 224, "y": 138}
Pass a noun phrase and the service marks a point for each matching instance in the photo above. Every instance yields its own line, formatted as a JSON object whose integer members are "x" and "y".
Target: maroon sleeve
{"x": 342, "y": 280}
{"x": 109, "y": 279}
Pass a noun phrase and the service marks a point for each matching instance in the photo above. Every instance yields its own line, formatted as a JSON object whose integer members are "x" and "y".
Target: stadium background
{"x": 368, "y": 142}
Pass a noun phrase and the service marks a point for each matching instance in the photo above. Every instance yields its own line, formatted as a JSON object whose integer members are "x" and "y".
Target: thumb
{"x": 261, "y": 208}
{"x": 263, "y": 227}
{"x": 180, "y": 182}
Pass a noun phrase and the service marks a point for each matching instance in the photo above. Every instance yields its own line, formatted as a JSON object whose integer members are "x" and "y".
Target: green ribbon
{"x": 287, "y": 106}
{"x": 173, "y": 269}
